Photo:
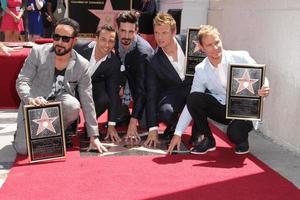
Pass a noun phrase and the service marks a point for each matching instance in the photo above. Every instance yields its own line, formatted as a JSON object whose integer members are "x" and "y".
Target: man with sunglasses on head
{"x": 52, "y": 72}
{"x": 104, "y": 69}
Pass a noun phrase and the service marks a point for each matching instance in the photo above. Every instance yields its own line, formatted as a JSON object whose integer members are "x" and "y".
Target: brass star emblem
{"x": 45, "y": 122}
{"x": 245, "y": 82}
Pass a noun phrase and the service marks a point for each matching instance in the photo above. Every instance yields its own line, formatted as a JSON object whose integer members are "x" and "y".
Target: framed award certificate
{"x": 193, "y": 55}
{"x": 44, "y": 132}
{"x": 243, "y": 101}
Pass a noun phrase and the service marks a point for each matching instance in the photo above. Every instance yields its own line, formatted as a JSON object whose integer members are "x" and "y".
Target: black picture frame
{"x": 193, "y": 55}
{"x": 243, "y": 101}
{"x": 79, "y": 10}
{"x": 45, "y": 132}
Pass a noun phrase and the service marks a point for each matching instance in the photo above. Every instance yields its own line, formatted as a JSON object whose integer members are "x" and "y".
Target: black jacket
{"x": 162, "y": 78}
{"x": 105, "y": 78}
{"x": 136, "y": 63}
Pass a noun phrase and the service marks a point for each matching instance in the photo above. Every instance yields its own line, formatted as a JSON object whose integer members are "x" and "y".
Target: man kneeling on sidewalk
{"x": 53, "y": 72}
{"x": 211, "y": 75}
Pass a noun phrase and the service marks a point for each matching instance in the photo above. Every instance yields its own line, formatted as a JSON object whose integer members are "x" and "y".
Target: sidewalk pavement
{"x": 275, "y": 156}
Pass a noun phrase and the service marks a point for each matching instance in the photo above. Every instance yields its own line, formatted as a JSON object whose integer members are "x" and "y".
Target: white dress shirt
{"x": 179, "y": 65}
{"x": 93, "y": 65}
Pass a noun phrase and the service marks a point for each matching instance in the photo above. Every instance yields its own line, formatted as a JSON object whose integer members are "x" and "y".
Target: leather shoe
{"x": 207, "y": 144}
{"x": 242, "y": 148}
{"x": 69, "y": 143}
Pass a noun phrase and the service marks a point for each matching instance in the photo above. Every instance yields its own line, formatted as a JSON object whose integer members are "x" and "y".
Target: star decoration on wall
{"x": 45, "y": 122}
{"x": 245, "y": 82}
{"x": 196, "y": 48}
{"x": 107, "y": 15}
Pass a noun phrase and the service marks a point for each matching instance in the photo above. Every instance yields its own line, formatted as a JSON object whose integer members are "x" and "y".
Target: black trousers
{"x": 171, "y": 104}
{"x": 101, "y": 101}
{"x": 202, "y": 105}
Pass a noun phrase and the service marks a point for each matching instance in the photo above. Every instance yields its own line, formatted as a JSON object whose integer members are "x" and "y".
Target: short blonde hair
{"x": 165, "y": 18}
{"x": 207, "y": 30}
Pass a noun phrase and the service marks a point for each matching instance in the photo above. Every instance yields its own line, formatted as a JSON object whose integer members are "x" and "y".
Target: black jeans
{"x": 203, "y": 105}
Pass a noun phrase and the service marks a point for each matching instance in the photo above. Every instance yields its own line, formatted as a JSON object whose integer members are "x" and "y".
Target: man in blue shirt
{"x": 211, "y": 74}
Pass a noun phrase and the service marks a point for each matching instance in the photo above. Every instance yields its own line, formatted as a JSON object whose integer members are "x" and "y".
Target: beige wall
{"x": 194, "y": 12}
{"x": 270, "y": 31}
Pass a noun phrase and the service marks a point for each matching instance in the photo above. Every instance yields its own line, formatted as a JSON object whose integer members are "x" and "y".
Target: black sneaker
{"x": 195, "y": 140}
{"x": 207, "y": 144}
{"x": 242, "y": 148}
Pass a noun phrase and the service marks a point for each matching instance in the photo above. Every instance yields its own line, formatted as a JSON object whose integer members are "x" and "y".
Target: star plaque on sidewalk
{"x": 44, "y": 132}
{"x": 129, "y": 148}
{"x": 243, "y": 101}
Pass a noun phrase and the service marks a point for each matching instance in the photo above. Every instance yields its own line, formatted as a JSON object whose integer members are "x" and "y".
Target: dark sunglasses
{"x": 56, "y": 37}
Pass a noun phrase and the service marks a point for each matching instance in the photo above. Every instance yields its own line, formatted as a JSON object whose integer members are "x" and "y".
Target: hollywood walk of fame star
{"x": 45, "y": 122}
{"x": 107, "y": 15}
{"x": 245, "y": 82}
{"x": 128, "y": 148}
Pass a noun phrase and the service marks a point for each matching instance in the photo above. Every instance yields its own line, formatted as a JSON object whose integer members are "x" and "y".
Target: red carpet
{"x": 218, "y": 175}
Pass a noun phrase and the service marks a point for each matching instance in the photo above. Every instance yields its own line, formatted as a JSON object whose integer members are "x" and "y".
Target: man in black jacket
{"x": 104, "y": 69}
{"x": 135, "y": 54}
{"x": 167, "y": 85}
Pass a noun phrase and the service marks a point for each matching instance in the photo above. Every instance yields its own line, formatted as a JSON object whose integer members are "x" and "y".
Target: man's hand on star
{"x": 112, "y": 134}
{"x": 95, "y": 144}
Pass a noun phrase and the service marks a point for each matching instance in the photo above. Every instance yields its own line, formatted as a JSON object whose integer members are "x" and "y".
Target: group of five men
{"x": 156, "y": 80}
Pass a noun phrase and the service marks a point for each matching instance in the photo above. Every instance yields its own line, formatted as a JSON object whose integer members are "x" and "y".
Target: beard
{"x": 125, "y": 41}
{"x": 61, "y": 51}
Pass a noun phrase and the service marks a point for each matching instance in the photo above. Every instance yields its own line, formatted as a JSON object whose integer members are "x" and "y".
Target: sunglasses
{"x": 56, "y": 37}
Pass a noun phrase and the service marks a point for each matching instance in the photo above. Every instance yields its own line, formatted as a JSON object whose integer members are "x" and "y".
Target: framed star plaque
{"x": 193, "y": 54}
{"x": 44, "y": 132}
{"x": 243, "y": 101}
